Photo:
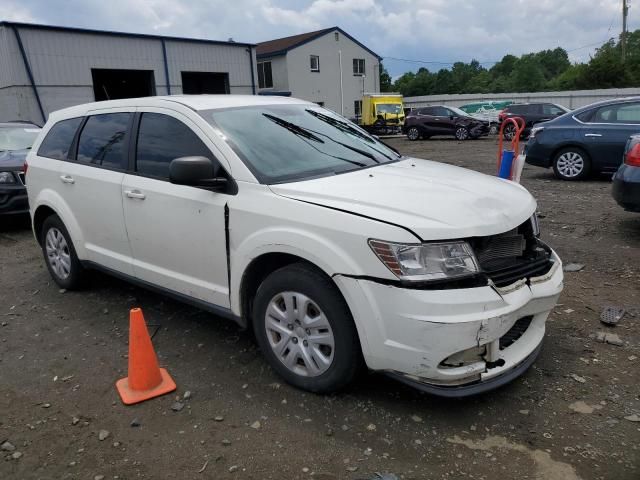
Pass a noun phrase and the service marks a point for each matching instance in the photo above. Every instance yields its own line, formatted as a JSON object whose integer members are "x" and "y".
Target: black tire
{"x": 509, "y": 131}
{"x": 571, "y": 164}
{"x": 75, "y": 277}
{"x": 413, "y": 134}
{"x": 462, "y": 133}
{"x": 347, "y": 357}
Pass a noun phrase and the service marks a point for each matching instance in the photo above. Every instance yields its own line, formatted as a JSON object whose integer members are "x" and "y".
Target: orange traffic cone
{"x": 146, "y": 380}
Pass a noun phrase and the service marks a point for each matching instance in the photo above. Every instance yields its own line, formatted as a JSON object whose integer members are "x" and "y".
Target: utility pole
{"x": 625, "y": 12}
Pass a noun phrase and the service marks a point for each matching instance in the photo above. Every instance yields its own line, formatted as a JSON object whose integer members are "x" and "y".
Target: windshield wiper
{"x": 292, "y": 127}
{"x": 345, "y": 127}
{"x": 303, "y": 132}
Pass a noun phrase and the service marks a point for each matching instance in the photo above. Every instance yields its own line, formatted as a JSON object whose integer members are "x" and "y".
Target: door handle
{"x": 135, "y": 194}
{"x": 67, "y": 179}
{"x": 592, "y": 134}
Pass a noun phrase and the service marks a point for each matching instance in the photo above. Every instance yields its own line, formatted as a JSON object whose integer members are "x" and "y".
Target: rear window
{"x": 58, "y": 141}
{"x": 102, "y": 141}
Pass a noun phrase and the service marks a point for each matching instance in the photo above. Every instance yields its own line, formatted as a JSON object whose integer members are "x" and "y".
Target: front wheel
{"x": 413, "y": 134}
{"x": 305, "y": 330}
{"x": 462, "y": 133}
{"x": 571, "y": 164}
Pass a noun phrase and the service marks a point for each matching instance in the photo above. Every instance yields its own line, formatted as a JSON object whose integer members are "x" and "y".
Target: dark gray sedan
{"x": 588, "y": 140}
{"x": 626, "y": 181}
{"x": 16, "y": 139}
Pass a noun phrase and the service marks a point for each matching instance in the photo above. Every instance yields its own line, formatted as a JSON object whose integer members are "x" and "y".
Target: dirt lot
{"x": 61, "y": 352}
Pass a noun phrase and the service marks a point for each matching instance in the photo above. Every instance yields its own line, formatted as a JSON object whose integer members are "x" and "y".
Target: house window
{"x": 314, "y": 61}
{"x": 336, "y": 35}
{"x": 358, "y": 66}
{"x": 357, "y": 107}
{"x": 265, "y": 79}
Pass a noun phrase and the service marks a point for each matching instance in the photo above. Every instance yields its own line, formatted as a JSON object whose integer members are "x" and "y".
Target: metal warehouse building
{"x": 45, "y": 68}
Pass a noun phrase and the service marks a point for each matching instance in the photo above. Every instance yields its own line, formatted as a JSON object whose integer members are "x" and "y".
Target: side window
{"x": 629, "y": 113}
{"x": 162, "y": 138}
{"x": 608, "y": 114}
{"x": 58, "y": 141}
{"x": 586, "y": 116}
{"x": 102, "y": 141}
{"x": 551, "y": 109}
{"x": 440, "y": 112}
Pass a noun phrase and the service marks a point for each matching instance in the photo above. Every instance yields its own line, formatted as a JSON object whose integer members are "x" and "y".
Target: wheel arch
{"x": 50, "y": 203}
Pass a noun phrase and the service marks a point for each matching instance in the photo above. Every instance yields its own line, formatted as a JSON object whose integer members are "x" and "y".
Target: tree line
{"x": 546, "y": 70}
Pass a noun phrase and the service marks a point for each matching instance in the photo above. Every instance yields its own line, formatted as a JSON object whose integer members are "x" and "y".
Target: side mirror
{"x": 195, "y": 171}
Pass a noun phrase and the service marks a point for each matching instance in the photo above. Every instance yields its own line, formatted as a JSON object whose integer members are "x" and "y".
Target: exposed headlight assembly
{"x": 535, "y": 131}
{"x": 427, "y": 261}
{"x": 7, "y": 177}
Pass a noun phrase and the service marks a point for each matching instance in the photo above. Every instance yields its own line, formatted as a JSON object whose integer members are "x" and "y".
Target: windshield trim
{"x": 295, "y": 177}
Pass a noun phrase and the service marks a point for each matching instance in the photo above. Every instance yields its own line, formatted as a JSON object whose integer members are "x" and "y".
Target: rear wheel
{"x": 305, "y": 330}
{"x": 413, "y": 134}
{"x": 59, "y": 254}
{"x": 571, "y": 164}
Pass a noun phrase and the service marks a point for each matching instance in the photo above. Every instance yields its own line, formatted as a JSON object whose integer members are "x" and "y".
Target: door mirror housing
{"x": 197, "y": 172}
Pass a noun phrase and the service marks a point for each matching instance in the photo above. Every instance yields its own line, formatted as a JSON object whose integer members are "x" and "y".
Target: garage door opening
{"x": 111, "y": 84}
{"x": 194, "y": 83}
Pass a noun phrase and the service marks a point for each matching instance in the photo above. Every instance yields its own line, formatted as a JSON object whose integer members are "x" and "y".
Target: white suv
{"x": 283, "y": 216}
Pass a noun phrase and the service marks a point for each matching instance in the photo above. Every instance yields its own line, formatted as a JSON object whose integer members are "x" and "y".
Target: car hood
{"x": 434, "y": 200}
{"x": 12, "y": 159}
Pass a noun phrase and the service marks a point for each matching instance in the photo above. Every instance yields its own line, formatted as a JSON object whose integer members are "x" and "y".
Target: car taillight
{"x": 25, "y": 166}
{"x": 632, "y": 157}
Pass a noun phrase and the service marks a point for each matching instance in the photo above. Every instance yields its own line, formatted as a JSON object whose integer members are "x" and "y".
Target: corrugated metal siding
{"x": 570, "y": 99}
{"x": 194, "y": 57}
{"x": 61, "y": 62}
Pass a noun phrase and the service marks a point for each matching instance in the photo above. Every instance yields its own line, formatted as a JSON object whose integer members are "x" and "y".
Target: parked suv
{"x": 532, "y": 113}
{"x": 591, "y": 139}
{"x": 285, "y": 217}
{"x": 16, "y": 139}
{"x": 426, "y": 122}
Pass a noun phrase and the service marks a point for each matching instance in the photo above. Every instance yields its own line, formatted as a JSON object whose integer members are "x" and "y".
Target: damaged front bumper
{"x": 455, "y": 342}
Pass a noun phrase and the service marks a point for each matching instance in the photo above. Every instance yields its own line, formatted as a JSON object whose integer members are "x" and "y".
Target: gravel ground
{"x": 573, "y": 415}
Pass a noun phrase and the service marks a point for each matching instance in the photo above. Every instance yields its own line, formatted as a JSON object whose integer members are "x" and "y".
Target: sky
{"x": 430, "y": 33}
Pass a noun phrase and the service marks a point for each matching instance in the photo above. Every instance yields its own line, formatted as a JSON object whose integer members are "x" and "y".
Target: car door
{"x": 607, "y": 133}
{"x": 177, "y": 232}
{"x": 434, "y": 120}
{"x": 449, "y": 121}
{"x": 91, "y": 183}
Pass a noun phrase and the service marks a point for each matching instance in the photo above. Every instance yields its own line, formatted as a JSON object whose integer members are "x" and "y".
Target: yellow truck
{"x": 382, "y": 113}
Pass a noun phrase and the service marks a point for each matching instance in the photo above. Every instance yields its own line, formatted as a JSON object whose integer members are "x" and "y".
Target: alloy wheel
{"x": 413, "y": 133}
{"x": 299, "y": 334}
{"x": 509, "y": 132}
{"x": 570, "y": 164}
{"x": 462, "y": 133}
{"x": 58, "y": 254}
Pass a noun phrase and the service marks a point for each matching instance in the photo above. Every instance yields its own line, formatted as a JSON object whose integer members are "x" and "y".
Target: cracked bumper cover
{"x": 408, "y": 333}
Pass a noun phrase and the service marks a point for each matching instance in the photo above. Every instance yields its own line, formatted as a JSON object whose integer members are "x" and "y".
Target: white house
{"x": 328, "y": 67}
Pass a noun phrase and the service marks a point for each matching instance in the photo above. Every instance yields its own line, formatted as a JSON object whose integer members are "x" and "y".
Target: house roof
{"x": 120, "y": 34}
{"x": 280, "y": 46}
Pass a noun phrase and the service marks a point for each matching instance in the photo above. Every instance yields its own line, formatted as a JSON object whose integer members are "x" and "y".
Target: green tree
{"x": 385, "y": 79}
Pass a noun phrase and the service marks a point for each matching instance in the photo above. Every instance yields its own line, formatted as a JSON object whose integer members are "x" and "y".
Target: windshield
{"x": 459, "y": 112}
{"x": 17, "y": 138}
{"x": 281, "y": 143}
{"x": 391, "y": 108}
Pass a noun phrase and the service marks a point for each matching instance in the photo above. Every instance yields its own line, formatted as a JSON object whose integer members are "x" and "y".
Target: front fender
{"x": 325, "y": 254}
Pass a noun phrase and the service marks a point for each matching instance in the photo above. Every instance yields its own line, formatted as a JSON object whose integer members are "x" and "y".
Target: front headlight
{"x": 535, "y": 131}
{"x": 7, "y": 177}
{"x": 426, "y": 261}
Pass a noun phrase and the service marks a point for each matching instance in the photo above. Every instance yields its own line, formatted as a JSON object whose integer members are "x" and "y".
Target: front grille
{"x": 508, "y": 257}
{"x": 515, "y": 332}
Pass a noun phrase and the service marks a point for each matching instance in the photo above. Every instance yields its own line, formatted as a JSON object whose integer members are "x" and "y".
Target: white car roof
{"x": 195, "y": 102}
